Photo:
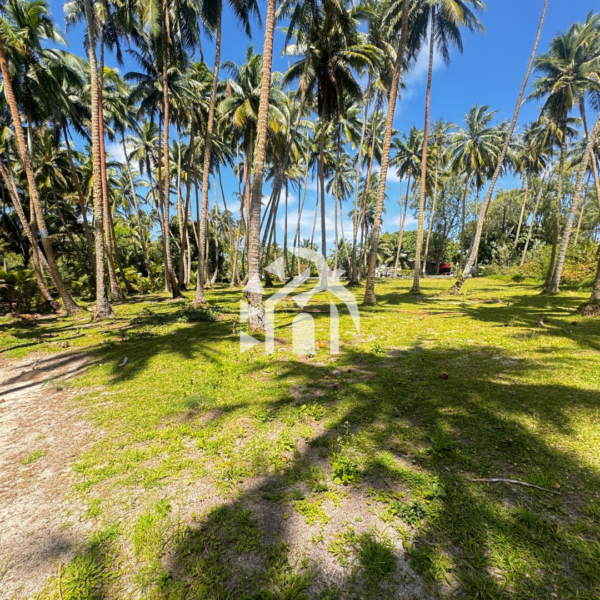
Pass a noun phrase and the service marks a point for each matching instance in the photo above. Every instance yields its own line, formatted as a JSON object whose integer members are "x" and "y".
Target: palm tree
{"x": 500, "y": 165}
{"x": 42, "y": 23}
{"x": 568, "y": 72}
{"x": 447, "y": 17}
{"x": 336, "y": 50}
{"x": 407, "y": 162}
{"x": 530, "y": 161}
{"x": 472, "y": 151}
{"x": 340, "y": 186}
{"x": 370, "y": 298}
{"x": 242, "y": 11}
{"x": 439, "y": 138}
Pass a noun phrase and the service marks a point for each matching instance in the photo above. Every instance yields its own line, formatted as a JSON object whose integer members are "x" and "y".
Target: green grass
{"x": 35, "y": 455}
{"x": 233, "y": 437}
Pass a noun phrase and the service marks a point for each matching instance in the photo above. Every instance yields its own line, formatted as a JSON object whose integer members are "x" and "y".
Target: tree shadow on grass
{"x": 407, "y": 432}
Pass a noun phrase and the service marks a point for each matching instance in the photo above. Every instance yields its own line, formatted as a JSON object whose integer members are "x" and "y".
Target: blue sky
{"x": 489, "y": 71}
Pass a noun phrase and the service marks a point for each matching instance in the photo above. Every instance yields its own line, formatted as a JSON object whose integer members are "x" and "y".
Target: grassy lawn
{"x": 222, "y": 475}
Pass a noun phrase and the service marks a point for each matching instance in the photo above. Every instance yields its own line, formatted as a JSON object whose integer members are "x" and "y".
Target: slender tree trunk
{"x": 353, "y": 264}
{"x": 115, "y": 288}
{"x": 592, "y": 307}
{"x": 401, "y": 232}
{"x": 297, "y": 239}
{"x": 463, "y": 220}
{"x": 593, "y": 155}
{"x": 167, "y": 186}
{"x": 335, "y": 216}
{"x": 522, "y": 212}
{"x": 366, "y": 191}
{"x": 556, "y": 224}
{"x": 488, "y": 197}
{"x": 312, "y": 237}
{"x": 256, "y": 311}
{"x": 12, "y": 190}
{"x": 285, "y": 229}
{"x": 429, "y": 229}
{"x": 416, "y": 288}
{"x": 535, "y": 209}
{"x": 69, "y": 304}
{"x": 323, "y": 285}
{"x": 137, "y": 216}
{"x": 82, "y": 204}
{"x": 562, "y": 254}
{"x": 200, "y": 300}
{"x": 581, "y": 212}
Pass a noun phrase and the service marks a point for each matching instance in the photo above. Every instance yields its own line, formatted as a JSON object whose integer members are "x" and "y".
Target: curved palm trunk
{"x": 416, "y": 287}
{"x": 581, "y": 212}
{"x": 429, "y": 229}
{"x": 207, "y": 158}
{"x": 353, "y": 263}
{"x": 401, "y": 233}
{"x": 69, "y": 304}
{"x": 10, "y": 185}
{"x": 562, "y": 254}
{"x": 522, "y": 212}
{"x": 256, "y": 310}
{"x": 535, "y": 209}
{"x": 82, "y": 204}
{"x": 593, "y": 155}
{"x": 463, "y": 220}
{"x": 488, "y": 197}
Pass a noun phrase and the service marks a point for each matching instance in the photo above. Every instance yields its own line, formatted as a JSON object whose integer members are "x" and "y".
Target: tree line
{"x": 78, "y": 223}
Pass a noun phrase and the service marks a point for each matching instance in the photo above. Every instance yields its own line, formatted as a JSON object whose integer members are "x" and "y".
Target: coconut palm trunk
{"x": 82, "y": 205}
{"x": 300, "y": 209}
{"x": 463, "y": 221}
{"x": 556, "y": 221}
{"x": 592, "y": 307}
{"x": 416, "y": 287}
{"x": 256, "y": 310}
{"x": 12, "y": 190}
{"x": 533, "y": 216}
{"x": 593, "y": 156}
{"x": 69, "y": 305}
{"x": 522, "y": 212}
{"x": 323, "y": 285}
{"x": 353, "y": 263}
{"x": 167, "y": 185}
{"x": 200, "y": 300}
{"x": 488, "y": 197}
{"x": 430, "y": 228}
{"x": 581, "y": 212}
{"x": 137, "y": 216}
{"x": 401, "y": 232}
{"x": 370, "y": 299}
{"x": 562, "y": 253}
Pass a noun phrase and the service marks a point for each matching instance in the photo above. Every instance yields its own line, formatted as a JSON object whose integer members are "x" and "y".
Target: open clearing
{"x": 195, "y": 471}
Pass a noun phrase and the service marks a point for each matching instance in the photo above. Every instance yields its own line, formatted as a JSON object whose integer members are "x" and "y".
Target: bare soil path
{"x": 41, "y": 431}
